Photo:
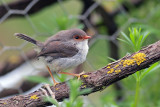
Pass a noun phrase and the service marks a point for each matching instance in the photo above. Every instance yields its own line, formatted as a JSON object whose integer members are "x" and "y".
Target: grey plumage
{"x": 58, "y": 49}
{"x": 62, "y": 50}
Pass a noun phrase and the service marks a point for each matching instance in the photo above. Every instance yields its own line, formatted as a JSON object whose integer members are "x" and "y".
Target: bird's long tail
{"x": 29, "y": 39}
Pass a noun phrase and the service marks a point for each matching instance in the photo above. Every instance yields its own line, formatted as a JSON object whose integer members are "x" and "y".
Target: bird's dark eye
{"x": 77, "y": 37}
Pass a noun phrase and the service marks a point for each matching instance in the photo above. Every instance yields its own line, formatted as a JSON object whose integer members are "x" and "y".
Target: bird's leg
{"x": 54, "y": 81}
{"x": 76, "y": 75}
{"x": 47, "y": 86}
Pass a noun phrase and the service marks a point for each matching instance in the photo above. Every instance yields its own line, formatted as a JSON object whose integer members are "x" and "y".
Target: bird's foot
{"x": 79, "y": 75}
{"x": 46, "y": 88}
{"x": 76, "y": 75}
{"x": 55, "y": 83}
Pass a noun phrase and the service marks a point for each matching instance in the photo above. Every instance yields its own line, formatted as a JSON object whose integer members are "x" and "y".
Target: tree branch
{"x": 97, "y": 80}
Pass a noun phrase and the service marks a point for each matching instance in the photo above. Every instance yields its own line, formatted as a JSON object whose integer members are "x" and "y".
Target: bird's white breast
{"x": 65, "y": 63}
{"x": 83, "y": 49}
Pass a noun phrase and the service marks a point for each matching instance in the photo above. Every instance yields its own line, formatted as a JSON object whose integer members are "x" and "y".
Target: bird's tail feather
{"x": 29, "y": 39}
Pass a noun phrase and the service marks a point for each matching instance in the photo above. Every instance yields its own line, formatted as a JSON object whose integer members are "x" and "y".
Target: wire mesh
{"x": 89, "y": 19}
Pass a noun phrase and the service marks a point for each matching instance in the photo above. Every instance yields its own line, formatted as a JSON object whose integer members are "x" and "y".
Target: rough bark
{"x": 97, "y": 80}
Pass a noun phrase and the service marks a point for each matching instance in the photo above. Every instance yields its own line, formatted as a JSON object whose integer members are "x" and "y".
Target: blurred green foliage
{"x": 53, "y": 18}
{"x": 135, "y": 40}
{"x": 38, "y": 79}
{"x": 73, "y": 101}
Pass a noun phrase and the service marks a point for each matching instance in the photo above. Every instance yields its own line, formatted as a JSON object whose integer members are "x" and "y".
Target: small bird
{"x": 66, "y": 49}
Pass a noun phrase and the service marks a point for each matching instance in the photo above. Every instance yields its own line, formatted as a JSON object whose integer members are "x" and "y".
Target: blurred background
{"x": 104, "y": 20}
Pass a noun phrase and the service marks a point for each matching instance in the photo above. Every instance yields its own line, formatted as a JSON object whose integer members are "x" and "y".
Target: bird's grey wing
{"x": 57, "y": 49}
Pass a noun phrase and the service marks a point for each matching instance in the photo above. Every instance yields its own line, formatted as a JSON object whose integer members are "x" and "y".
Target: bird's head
{"x": 72, "y": 35}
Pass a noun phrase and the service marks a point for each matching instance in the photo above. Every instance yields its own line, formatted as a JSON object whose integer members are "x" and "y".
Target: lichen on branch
{"x": 96, "y": 80}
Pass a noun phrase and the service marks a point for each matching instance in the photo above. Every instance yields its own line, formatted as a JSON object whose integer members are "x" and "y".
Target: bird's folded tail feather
{"x": 29, "y": 39}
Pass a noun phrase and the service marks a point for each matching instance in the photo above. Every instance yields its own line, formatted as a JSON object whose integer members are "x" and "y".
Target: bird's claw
{"x": 79, "y": 75}
{"x": 47, "y": 87}
{"x": 56, "y": 83}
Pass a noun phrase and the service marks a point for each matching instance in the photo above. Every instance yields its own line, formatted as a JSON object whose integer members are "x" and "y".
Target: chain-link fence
{"x": 103, "y": 19}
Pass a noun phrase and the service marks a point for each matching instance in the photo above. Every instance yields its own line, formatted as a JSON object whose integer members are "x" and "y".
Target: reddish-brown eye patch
{"x": 77, "y": 37}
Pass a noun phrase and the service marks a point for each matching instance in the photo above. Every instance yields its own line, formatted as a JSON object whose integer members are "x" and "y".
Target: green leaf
{"x": 38, "y": 79}
{"x": 78, "y": 103}
{"x": 126, "y": 37}
{"x": 85, "y": 91}
{"x": 111, "y": 58}
{"x": 139, "y": 42}
{"x": 135, "y": 75}
{"x": 61, "y": 77}
{"x": 132, "y": 37}
{"x": 51, "y": 100}
{"x": 123, "y": 41}
{"x": 151, "y": 68}
{"x": 74, "y": 89}
{"x": 146, "y": 34}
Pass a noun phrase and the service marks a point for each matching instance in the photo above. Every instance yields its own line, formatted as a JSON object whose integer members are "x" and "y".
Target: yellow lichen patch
{"x": 111, "y": 71}
{"x": 4, "y": 103}
{"x": 108, "y": 67}
{"x": 139, "y": 58}
{"x": 116, "y": 66}
{"x": 117, "y": 71}
{"x": 57, "y": 88}
{"x": 34, "y": 97}
{"x": 121, "y": 61}
{"x": 85, "y": 76}
{"x": 128, "y": 62}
